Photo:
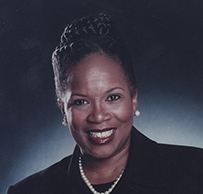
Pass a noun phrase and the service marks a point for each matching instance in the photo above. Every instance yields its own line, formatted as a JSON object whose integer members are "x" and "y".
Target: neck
{"x": 99, "y": 171}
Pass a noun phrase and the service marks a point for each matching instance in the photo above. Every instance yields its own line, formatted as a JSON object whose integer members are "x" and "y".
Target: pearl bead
{"x": 89, "y": 184}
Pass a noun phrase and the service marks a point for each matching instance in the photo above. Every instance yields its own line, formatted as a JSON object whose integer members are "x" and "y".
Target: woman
{"x": 97, "y": 95}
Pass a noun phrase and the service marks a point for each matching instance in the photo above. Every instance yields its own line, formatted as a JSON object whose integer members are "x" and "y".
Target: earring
{"x": 137, "y": 113}
{"x": 64, "y": 123}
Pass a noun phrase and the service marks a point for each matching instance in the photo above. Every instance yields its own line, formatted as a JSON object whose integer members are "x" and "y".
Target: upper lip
{"x": 100, "y": 130}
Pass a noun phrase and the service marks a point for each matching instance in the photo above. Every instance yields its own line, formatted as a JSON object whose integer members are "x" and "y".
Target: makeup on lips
{"x": 103, "y": 136}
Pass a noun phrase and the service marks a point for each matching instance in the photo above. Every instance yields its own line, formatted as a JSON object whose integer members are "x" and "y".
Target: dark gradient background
{"x": 165, "y": 38}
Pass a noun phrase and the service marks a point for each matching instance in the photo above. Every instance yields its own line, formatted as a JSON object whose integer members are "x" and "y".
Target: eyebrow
{"x": 112, "y": 89}
{"x": 77, "y": 94}
{"x": 108, "y": 91}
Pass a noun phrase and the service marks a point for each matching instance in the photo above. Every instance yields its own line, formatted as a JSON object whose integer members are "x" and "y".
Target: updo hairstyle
{"x": 88, "y": 35}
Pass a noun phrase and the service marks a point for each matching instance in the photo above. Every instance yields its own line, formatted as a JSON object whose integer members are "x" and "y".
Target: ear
{"x": 61, "y": 106}
{"x": 134, "y": 100}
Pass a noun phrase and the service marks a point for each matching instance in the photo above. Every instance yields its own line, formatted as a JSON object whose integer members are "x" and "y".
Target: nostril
{"x": 98, "y": 116}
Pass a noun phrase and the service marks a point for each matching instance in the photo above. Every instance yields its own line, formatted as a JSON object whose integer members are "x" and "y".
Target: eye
{"x": 80, "y": 102}
{"x": 113, "y": 98}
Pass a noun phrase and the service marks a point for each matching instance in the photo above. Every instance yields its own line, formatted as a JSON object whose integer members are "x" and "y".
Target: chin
{"x": 101, "y": 153}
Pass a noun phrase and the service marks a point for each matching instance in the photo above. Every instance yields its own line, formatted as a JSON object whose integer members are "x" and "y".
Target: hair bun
{"x": 87, "y": 27}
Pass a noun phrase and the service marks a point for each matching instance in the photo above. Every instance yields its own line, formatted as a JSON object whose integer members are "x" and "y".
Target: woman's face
{"x": 99, "y": 107}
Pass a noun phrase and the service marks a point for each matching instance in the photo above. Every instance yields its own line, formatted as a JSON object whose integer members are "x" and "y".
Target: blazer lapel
{"x": 146, "y": 169}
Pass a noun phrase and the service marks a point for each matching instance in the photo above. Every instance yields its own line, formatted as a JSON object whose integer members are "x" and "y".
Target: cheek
{"x": 75, "y": 120}
{"x": 124, "y": 113}
{"x": 74, "y": 124}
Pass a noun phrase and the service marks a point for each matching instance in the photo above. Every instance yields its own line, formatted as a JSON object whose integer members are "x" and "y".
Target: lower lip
{"x": 100, "y": 141}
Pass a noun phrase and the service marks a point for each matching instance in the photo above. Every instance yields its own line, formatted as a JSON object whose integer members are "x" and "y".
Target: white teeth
{"x": 101, "y": 134}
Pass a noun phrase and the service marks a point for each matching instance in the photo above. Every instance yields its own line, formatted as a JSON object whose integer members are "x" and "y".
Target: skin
{"x": 99, "y": 99}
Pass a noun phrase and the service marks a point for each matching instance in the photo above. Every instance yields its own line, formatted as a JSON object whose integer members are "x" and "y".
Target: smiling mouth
{"x": 97, "y": 133}
{"x": 103, "y": 134}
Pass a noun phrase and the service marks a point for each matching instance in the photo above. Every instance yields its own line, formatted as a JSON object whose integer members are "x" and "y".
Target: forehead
{"x": 97, "y": 69}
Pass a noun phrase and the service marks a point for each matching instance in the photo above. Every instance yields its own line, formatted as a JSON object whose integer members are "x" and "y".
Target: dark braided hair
{"x": 86, "y": 36}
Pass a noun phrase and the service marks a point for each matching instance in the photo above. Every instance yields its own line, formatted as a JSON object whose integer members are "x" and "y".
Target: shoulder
{"x": 187, "y": 158}
{"x": 47, "y": 180}
{"x": 180, "y": 158}
{"x": 173, "y": 155}
{"x": 184, "y": 167}
{"x": 179, "y": 168}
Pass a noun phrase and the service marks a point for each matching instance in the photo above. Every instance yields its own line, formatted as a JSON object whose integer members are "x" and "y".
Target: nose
{"x": 98, "y": 114}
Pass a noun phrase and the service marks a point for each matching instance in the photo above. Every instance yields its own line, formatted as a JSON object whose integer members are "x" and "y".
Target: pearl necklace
{"x": 89, "y": 184}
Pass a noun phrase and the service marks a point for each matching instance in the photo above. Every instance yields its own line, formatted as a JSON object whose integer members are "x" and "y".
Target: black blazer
{"x": 152, "y": 168}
